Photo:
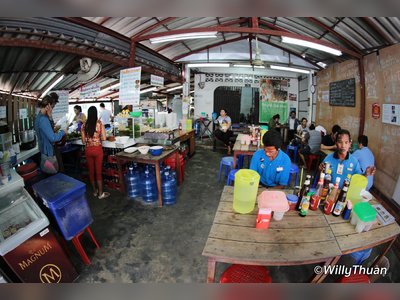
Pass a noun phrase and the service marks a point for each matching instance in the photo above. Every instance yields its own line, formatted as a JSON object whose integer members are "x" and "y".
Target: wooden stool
{"x": 246, "y": 274}
{"x": 78, "y": 246}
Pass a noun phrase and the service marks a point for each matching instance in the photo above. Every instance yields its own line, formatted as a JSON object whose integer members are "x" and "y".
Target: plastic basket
{"x": 246, "y": 274}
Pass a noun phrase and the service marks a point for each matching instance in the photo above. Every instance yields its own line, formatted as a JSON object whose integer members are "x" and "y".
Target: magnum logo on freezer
{"x": 35, "y": 256}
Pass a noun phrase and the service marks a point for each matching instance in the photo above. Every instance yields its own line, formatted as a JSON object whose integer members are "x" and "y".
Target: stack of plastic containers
{"x": 363, "y": 216}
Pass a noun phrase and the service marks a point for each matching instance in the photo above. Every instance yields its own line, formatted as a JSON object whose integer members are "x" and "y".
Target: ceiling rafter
{"x": 152, "y": 27}
{"x": 333, "y": 32}
{"x": 254, "y": 31}
{"x": 375, "y": 28}
{"x": 230, "y": 23}
{"x": 209, "y": 47}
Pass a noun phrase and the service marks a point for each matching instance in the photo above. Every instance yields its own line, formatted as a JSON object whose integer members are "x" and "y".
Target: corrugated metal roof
{"x": 35, "y": 51}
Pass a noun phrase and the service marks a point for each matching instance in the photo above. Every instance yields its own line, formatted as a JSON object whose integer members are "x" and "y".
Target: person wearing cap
{"x": 272, "y": 163}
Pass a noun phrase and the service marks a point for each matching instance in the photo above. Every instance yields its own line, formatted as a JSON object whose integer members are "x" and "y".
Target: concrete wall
{"x": 204, "y": 97}
{"x": 382, "y": 86}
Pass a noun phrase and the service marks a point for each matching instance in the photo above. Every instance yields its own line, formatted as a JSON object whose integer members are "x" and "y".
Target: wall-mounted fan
{"x": 257, "y": 58}
{"x": 89, "y": 70}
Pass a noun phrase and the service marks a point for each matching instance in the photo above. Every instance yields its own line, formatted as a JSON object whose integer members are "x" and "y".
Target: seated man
{"x": 365, "y": 157}
{"x": 224, "y": 132}
{"x": 310, "y": 144}
{"x": 302, "y": 127}
{"x": 329, "y": 141}
{"x": 272, "y": 163}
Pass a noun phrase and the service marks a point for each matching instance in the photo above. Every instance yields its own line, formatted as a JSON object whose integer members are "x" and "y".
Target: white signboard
{"x": 391, "y": 114}
{"x": 3, "y": 112}
{"x": 89, "y": 91}
{"x": 156, "y": 80}
{"x": 61, "y": 108}
{"x": 129, "y": 90}
{"x": 23, "y": 113}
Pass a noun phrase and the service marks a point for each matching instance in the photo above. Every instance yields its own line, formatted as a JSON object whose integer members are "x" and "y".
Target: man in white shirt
{"x": 302, "y": 127}
{"x": 105, "y": 116}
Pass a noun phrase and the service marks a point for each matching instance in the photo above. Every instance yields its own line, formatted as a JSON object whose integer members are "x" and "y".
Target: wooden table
{"x": 239, "y": 149}
{"x": 350, "y": 241}
{"x": 292, "y": 241}
{"x": 188, "y": 136}
{"x": 123, "y": 157}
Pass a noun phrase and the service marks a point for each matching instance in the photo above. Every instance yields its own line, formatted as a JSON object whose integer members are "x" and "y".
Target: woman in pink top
{"x": 93, "y": 132}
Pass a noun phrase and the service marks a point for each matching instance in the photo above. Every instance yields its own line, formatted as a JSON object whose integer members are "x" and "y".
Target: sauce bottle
{"x": 325, "y": 188}
{"x": 331, "y": 199}
{"x": 303, "y": 192}
{"x": 341, "y": 200}
{"x": 316, "y": 198}
{"x": 305, "y": 204}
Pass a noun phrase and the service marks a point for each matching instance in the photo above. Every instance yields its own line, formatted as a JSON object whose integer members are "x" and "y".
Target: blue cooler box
{"x": 66, "y": 199}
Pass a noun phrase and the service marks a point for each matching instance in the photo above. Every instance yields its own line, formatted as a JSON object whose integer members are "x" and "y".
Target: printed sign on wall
{"x": 391, "y": 114}
{"x": 156, "y": 80}
{"x": 129, "y": 91}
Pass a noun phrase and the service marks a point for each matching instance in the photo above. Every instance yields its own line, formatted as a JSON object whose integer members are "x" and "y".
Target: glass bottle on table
{"x": 341, "y": 200}
{"x": 303, "y": 192}
{"x": 316, "y": 198}
{"x": 331, "y": 198}
{"x": 325, "y": 187}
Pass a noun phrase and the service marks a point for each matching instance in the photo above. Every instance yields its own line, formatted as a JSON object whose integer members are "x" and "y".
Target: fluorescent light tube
{"x": 184, "y": 36}
{"x": 52, "y": 85}
{"x": 249, "y": 66}
{"x": 175, "y": 88}
{"x": 148, "y": 90}
{"x": 330, "y": 50}
{"x": 289, "y": 69}
{"x": 110, "y": 87}
{"x": 205, "y": 65}
{"x": 321, "y": 64}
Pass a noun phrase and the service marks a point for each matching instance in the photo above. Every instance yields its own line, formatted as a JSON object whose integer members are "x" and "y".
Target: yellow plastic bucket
{"x": 245, "y": 191}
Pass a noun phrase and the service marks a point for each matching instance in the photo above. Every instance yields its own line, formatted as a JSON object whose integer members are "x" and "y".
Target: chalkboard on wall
{"x": 343, "y": 93}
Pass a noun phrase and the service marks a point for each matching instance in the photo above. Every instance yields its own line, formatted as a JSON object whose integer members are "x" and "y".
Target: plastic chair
{"x": 240, "y": 160}
{"x": 246, "y": 274}
{"x": 77, "y": 243}
{"x": 231, "y": 176}
{"x": 294, "y": 169}
{"x": 310, "y": 159}
{"x": 294, "y": 149}
{"x": 360, "y": 256}
{"x": 226, "y": 161}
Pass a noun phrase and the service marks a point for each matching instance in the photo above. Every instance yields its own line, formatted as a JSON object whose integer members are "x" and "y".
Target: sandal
{"x": 104, "y": 195}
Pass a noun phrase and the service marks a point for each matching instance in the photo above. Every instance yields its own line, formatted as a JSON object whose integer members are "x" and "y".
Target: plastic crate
{"x": 66, "y": 199}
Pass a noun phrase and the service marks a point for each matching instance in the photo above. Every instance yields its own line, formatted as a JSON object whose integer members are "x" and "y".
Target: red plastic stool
{"x": 311, "y": 158}
{"x": 78, "y": 245}
{"x": 354, "y": 278}
{"x": 246, "y": 274}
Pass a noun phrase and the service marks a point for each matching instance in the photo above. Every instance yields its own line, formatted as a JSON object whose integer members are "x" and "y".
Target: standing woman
{"x": 79, "y": 118}
{"x": 46, "y": 136}
{"x": 93, "y": 132}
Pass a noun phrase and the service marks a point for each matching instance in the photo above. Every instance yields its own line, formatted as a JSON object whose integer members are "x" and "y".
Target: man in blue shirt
{"x": 365, "y": 157}
{"x": 272, "y": 163}
{"x": 342, "y": 162}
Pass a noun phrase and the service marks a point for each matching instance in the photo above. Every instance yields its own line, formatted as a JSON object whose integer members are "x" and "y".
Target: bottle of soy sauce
{"x": 304, "y": 191}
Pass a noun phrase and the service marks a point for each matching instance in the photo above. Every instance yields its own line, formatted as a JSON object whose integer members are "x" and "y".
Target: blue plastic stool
{"x": 240, "y": 160}
{"x": 295, "y": 149}
{"x": 226, "y": 161}
{"x": 231, "y": 177}
{"x": 294, "y": 169}
{"x": 361, "y": 256}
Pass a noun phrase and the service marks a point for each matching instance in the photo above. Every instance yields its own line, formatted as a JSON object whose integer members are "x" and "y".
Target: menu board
{"x": 129, "y": 90}
{"x": 343, "y": 93}
{"x": 61, "y": 108}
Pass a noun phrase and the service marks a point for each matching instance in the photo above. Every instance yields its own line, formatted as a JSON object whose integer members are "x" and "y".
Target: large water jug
{"x": 169, "y": 189}
{"x": 132, "y": 181}
{"x": 245, "y": 190}
{"x": 357, "y": 184}
{"x": 149, "y": 187}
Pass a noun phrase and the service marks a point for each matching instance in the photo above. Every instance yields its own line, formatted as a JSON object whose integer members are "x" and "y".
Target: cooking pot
{"x": 27, "y": 136}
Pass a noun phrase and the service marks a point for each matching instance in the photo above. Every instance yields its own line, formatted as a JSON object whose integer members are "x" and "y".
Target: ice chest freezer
{"x": 27, "y": 244}
{"x": 66, "y": 199}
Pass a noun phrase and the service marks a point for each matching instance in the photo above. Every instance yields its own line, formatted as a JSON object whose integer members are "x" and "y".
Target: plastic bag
{"x": 63, "y": 123}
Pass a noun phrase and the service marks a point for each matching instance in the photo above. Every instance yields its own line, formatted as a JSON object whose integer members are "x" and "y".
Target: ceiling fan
{"x": 257, "y": 58}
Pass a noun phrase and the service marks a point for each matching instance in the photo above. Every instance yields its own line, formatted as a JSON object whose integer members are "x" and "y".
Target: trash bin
{"x": 66, "y": 199}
